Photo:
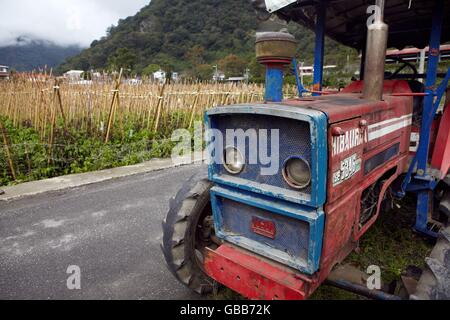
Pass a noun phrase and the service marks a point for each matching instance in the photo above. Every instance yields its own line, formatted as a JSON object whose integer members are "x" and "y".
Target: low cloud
{"x": 64, "y": 22}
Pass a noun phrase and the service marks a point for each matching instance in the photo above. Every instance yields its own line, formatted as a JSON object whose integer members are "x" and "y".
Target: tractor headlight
{"x": 297, "y": 173}
{"x": 234, "y": 161}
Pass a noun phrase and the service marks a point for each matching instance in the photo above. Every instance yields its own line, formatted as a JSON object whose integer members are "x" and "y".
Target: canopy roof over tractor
{"x": 409, "y": 21}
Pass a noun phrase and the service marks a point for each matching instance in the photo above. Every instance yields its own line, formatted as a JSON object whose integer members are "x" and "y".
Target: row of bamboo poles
{"x": 107, "y": 105}
{"x": 51, "y": 106}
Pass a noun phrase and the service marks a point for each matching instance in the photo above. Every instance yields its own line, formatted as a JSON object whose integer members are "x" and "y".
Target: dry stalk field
{"x": 51, "y": 127}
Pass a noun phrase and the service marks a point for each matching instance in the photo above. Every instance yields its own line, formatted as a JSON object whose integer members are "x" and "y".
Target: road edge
{"x": 72, "y": 181}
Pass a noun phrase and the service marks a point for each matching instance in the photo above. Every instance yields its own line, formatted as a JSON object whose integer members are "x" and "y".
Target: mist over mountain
{"x": 29, "y": 54}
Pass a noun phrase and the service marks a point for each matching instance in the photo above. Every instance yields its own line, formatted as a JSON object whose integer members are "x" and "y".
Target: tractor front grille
{"x": 295, "y": 140}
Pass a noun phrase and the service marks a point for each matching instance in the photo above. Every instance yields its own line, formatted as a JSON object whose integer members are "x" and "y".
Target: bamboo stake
{"x": 52, "y": 131}
{"x": 158, "y": 108}
{"x": 58, "y": 95}
{"x": 194, "y": 108}
{"x": 7, "y": 151}
{"x": 111, "y": 111}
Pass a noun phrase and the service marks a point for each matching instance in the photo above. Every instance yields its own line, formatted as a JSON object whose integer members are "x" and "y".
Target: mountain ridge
{"x": 189, "y": 36}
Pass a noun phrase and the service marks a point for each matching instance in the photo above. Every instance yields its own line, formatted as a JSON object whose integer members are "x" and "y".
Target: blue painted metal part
{"x": 420, "y": 183}
{"x": 429, "y": 113}
{"x": 294, "y": 138}
{"x": 315, "y": 218}
{"x": 274, "y": 83}
{"x": 301, "y": 88}
{"x": 319, "y": 150}
{"x": 279, "y": 202}
{"x": 423, "y": 183}
{"x": 320, "y": 47}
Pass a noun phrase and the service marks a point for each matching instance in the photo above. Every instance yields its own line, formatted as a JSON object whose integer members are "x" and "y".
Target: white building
{"x": 219, "y": 76}
{"x": 309, "y": 71}
{"x": 175, "y": 76}
{"x": 160, "y": 76}
{"x": 237, "y": 79}
{"x": 134, "y": 82}
{"x": 74, "y": 75}
{"x": 4, "y": 72}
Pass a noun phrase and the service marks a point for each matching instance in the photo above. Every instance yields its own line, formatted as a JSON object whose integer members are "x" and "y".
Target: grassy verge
{"x": 390, "y": 244}
{"x": 76, "y": 151}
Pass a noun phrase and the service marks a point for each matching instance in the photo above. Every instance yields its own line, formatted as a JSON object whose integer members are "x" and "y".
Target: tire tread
{"x": 176, "y": 228}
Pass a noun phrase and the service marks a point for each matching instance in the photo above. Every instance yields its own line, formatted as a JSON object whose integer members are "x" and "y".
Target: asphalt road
{"x": 111, "y": 230}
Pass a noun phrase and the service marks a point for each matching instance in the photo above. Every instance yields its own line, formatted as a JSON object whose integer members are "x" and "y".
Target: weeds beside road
{"x": 49, "y": 128}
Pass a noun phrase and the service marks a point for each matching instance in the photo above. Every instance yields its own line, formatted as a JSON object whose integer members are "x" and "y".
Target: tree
{"x": 232, "y": 65}
{"x": 150, "y": 69}
{"x": 195, "y": 55}
{"x": 257, "y": 71}
{"x": 110, "y": 30}
{"x": 165, "y": 33}
{"x": 202, "y": 72}
{"x": 168, "y": 63}
{"x": 83, "y": 64}
{"x": 122, "y": 58}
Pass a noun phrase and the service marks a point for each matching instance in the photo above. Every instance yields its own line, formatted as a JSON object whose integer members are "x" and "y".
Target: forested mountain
{"x": 190, "y": 36}
{"x": 27, "y": 55}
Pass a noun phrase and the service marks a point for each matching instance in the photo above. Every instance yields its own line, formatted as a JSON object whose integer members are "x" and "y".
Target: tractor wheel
{"x": 435, "y": 281}
{"x": 188, "y": 230}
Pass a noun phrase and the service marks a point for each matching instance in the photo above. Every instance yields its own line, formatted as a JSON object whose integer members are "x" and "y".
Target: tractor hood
{"x": 348, "y": 104}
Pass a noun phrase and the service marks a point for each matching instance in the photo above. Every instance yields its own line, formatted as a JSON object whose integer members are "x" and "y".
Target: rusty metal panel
{"x": 298, "y": 242}
{"x": 441, "y": 154}
{"x": 346, "y": 145}
{"x": 253, "y": 277}
{"x": 359, "y": 132}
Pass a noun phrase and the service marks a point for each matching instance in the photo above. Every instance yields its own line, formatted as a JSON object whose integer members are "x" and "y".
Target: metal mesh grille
{"x": 292, "y": 235}
{"x": 295, "y": 140}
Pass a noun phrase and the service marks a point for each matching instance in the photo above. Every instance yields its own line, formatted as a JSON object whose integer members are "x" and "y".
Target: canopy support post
{"x": 320, "y": 47}
{"x": 425, "y": 196}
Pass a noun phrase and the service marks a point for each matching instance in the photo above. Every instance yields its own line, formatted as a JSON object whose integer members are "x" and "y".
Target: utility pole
{"x": 216, "y": 73}
{"x": 247, "y": 75}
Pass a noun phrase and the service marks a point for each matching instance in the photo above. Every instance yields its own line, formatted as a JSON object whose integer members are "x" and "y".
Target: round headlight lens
{"x": 234, "y": 161}
{"x": 297, "y": 173}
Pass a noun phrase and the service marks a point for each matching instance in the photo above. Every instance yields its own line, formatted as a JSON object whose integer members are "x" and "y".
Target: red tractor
{"x": 293, "y": 185}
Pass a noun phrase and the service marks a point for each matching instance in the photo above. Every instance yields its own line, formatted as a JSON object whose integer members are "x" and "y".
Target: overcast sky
{"x": 64, "y": 22}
